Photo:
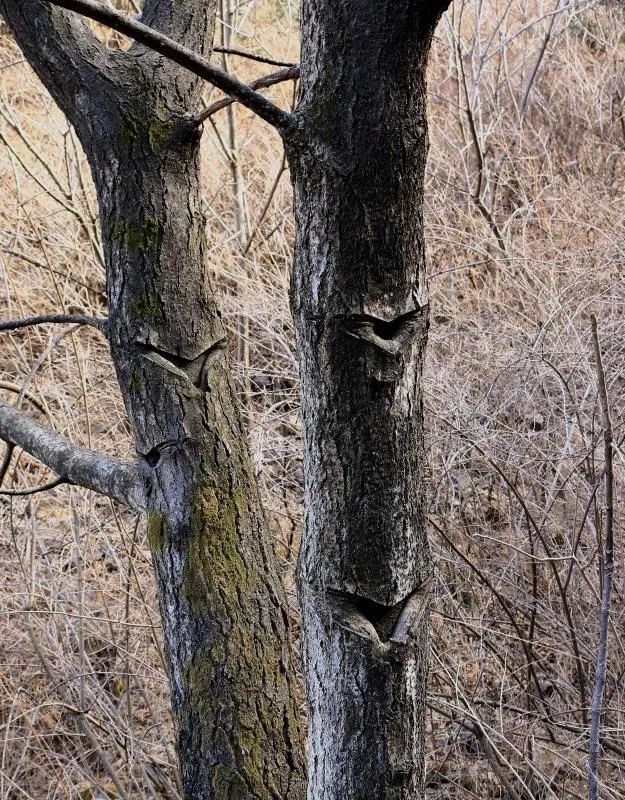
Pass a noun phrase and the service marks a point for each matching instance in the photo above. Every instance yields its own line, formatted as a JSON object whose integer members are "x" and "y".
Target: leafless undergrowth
{"x": 525, "y": 215}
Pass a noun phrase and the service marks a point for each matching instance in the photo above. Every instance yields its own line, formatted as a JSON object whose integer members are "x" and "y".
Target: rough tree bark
{"x": 361, "y": 314}
{"x": 357, "y": 146}
{"x": 222, "y": 605}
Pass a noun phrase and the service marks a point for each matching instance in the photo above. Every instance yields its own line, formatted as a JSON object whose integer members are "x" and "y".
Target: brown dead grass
{"x": 525, "y": 229}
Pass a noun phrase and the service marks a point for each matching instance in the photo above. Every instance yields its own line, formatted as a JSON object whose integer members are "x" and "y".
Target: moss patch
{"x": 229, "y": 785}
{"x": 129, "y": 133}
{"x": 138, "y": 236}
{"x": 136, "y": 381}
{"x": 214, "y": 568}
{"x": 234, "y": 677}
{"x": 159, "y": 134}
{"x": 146, "y": 308}
{"x": 157, "y": 531}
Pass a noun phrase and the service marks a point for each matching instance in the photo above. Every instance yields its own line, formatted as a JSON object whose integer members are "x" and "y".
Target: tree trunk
{"x": 223, "y": 607}
{"x": 222, "y": 604}
{"x": 357, "y": 146}
{"x": 361, "y": 314}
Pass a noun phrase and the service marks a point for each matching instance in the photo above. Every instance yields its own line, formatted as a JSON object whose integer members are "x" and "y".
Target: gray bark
{"x": 223, "y": 608}
{"x": 109, "y": 476}
{"x": 361, "y": 314}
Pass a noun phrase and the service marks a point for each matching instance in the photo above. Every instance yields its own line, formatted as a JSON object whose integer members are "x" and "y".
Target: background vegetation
{"x": 525, "y": 225}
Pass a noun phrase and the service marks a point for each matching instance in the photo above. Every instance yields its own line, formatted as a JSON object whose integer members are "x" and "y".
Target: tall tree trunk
{"x": 361, "y": 314}
{"x": 222, "y": 604}
{"x": 223, "y": 608}
{"x": 357, "y": 146}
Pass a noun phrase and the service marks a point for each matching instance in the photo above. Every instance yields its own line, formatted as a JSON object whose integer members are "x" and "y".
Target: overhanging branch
{"x": 181, "y": 55}
{"x": 110, "y": 476}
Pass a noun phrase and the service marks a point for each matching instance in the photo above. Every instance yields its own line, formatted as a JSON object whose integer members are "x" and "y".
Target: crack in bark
{"x": 392, "y": 336}
{"x": 194, "y": 370}
{"x": 153, "y": 456}
{"x": 382, "y": 623}
{"x": 415, "y": 608}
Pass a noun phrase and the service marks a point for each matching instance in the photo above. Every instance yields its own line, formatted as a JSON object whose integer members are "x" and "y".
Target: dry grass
{"x": 525, "y": 227}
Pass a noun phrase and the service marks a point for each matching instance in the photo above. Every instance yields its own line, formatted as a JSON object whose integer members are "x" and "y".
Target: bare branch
{"x": 23, "y": 393}
{"x": 233, "y": 51}
{"x": 186, "y": 58}
{"x": 110, "y": 476}
{"x": 100, "y": 293}
{"x": 35, "y": 490}
{"x": 100, "y": 323}
{"x": 608, "y": 573}
{"x": 288, "y": 74}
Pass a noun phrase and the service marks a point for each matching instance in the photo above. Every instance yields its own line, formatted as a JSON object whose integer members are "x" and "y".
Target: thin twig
{"x": 539, "y": 60}
{"x": 266, "y": 205}
{"x": 579, "y": 664}
{"x": 505, "y": 605}
{"x": 100, "y": 323}
{"x": 234, "y": 51}
{"x": 35, "y": 490}
{"x": 24, "y": 393}
{"x": 608, "y": 572}
{"x": 15, "y": 388}
{"x": 99, "y": 293}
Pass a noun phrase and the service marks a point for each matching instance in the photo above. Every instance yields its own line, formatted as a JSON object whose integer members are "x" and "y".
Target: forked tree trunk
{"x": 222, "y": 604}
{"x": 361, "y": 314}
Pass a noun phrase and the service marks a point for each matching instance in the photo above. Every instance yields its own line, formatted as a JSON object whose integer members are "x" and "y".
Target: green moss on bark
{"x": 157, "y": 532}
{"x": 159, "y": 134}
{"x": 220, "y": 580}
{"x": 214, "y": 549}
{"x": 236, "y": 684}
{"x": 137, "y": 236}
{"x": 229, "y": 785}
{"x": 129, "y": 133}
{"x": 136, "y": 381}
{"x": 147, "y": 308}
